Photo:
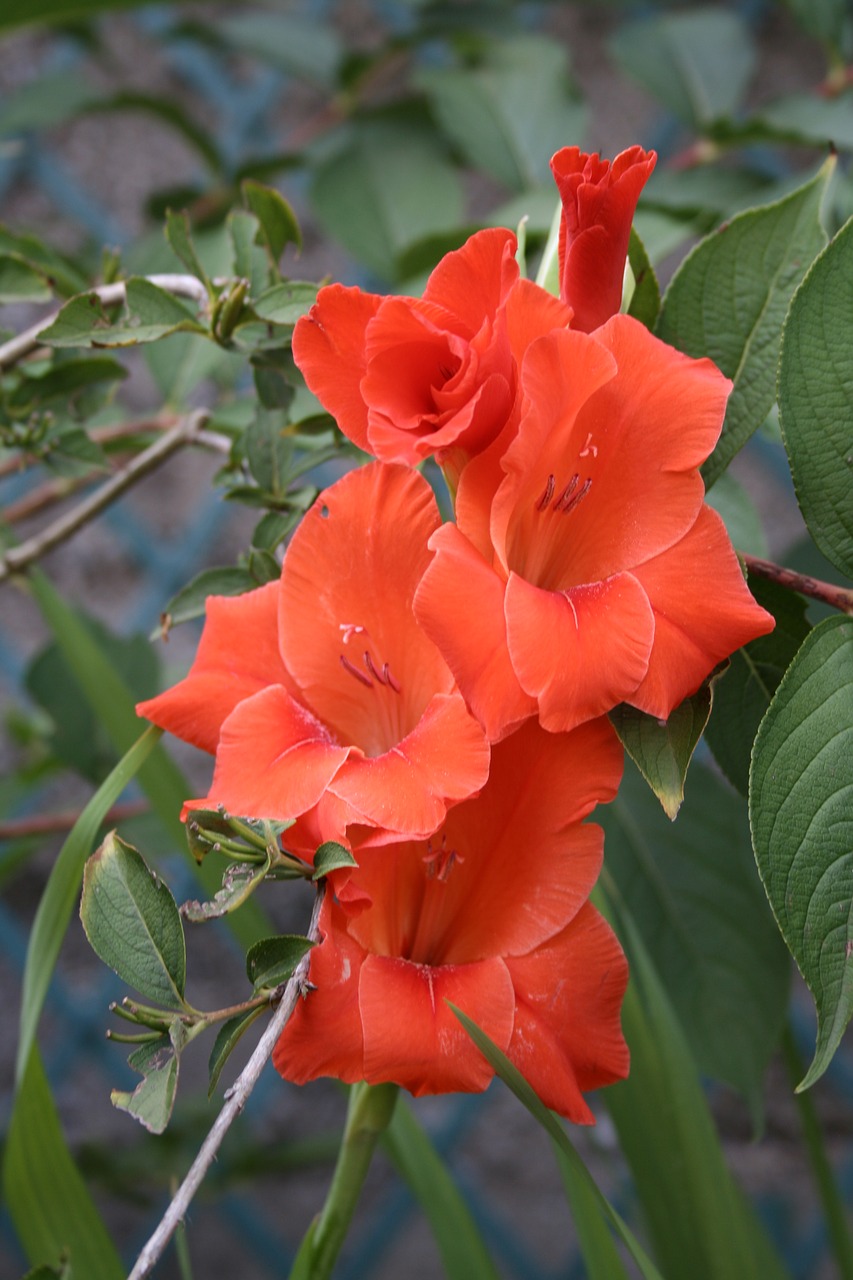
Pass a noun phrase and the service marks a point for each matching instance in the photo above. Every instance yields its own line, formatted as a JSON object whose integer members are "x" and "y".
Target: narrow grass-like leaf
{"x": 516, "y": 1082}
{"x": 463, "y": 1252}
{"x": 816, "y": 399}
{"x": 801, "y": 786}
{"x": 46, "y": 1197}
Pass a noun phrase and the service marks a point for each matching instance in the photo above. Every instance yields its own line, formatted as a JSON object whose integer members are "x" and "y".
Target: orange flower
{"x": 492, "y": 915}
{"x": 410, "y": 377}
{"x": 320, "y": 694}
{"x": 599, "y": 199}
{"x": 584, "y": 569}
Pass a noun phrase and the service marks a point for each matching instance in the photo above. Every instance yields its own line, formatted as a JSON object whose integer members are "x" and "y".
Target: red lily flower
{"x": 320, "y": 694}
{"x": 599, "y": 200}
{"x": 407, "y": 378}
{"x": 492, "y": 915}
{"x": 589, "y": 570}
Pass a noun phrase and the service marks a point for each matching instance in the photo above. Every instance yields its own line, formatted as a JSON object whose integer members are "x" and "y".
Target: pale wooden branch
{"x": 235, "y": 1101}
{"x": 185, "y": 432}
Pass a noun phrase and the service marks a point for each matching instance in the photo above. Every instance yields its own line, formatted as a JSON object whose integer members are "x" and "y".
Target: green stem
{"x": 833, "y": 1205}
{"x": 370, "y": 1110}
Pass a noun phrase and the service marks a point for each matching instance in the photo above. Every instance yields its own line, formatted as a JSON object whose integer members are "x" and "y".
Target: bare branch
{"x": 837, "y": 597}
{"x": 236, "y": 1099}
{"x": 64, "y": 820}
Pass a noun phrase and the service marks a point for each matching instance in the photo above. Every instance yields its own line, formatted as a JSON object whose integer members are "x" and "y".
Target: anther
{"x": 547, "y": 495}
{"x": 578, "y": 498}
{"x": 384, "y": 676}
{"x": 567, "y": 492}
{"x": 354, "y": 671}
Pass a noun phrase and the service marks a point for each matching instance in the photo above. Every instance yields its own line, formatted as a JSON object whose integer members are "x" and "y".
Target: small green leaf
{"x": 153, "y": 1099}
{"x": 152, "y": 313}
{"x": 816, "y": 399}
{"x": 331, "y": 856}
{"x": 305, "y": 48}
{"x": 516, "y": 1082}
{"x": 742, "y": 694}
{"x": 64, "y": 275}
{"x": 179, "y": 236}
{"x": 276, "y": 220}
{"x": 239, "y": 882}
{"x": 802, "y": 823}
{"x": 269, "y": 450}
{"x": 662, "y": 750}
{"x": 132, "y": 923}
{"x": 729, "y": 297}
{"x": 828, "y": 21}
{"x": 228, "y": 1036}
{"x": 250, "y": 260}
{"x": 20, "y": 282}
{"x": 190, "y": 601}
{"x": 645, "y": 303}
{"x": 272, "y": 960}
{"x": 285, "y": 303}
{"x": 810, "y": 118}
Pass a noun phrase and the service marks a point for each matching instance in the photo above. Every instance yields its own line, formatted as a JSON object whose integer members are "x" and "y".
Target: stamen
{"x": 354, "y": 671}
{"x": 446, "y": 373}
{"x": 384, "y": 676}
{"x": 579, "y": 497}
{"x": 567, "y": 492}
{"x": 440, "y": 862}
{"x": 389, "y": 679}
{"x": 547, "y": 495}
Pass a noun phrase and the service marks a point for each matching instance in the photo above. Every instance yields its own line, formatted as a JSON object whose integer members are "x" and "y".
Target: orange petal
{"x": 567, "y": 1035}
{"x": 348, "y": 633}
{"x": 460, "y": 605}
{"x": 473, "y": 281}
{"x": 703, "y": 612}
{"x": 532, "y": 313}
{"x": 324, "y": 1036}
{"x": 237, "y": 656}
{"x": 274, "y": 759}
{"x": 579, "y": 652}
{"x": 329, "y": 347}
{"x": 407, "y": 790}
{"x": 412, "y": 1038}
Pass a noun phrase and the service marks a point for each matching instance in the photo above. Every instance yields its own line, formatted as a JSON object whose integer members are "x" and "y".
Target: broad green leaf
{"x": 388, "y": 185}
{"x": 179, "y": 236}
{"x": 742, "y": 694}
{"x": 272, "y": 960}
{"x": 46, "y": 1197}
{"x": 699, "y": 1222}
{"x": 331, "y": 856}
{"x": 697, "y": 903}
{"x": 645, "y": 301}
{"x": 740, "y": 515}
{"x": 20, "y": 282}
{"x": 276, "y": 220}
{"x": 802, "y": 823}
{"x": 152, "y": 1100}
{"x": 64, "y": 275}
{"x": 60, "y": 895}
{"x": 816, "y": 399}
{"x": 152, "y": 313}
{"x": 463, "y": 1253}
{"x": 190, "y": 601}
{"x": 285, "y": 303}
{"x": 44, "y": 101}
{"x": 306, "y": 49}
{"x": 66, "y": 381}
{"x": 510, "y": 112}
{"x": 227, "y": 1038}
{"x": 698, "y": 63}
{"x": 269, "y": 450}
{"x": 810, "y": 118}
{"x": 829, "y": 21}
{"x": 729, "y": 297}
{"x": 132, "y": 923}
{"x": 50, "y": 1273}
{"x": 662, "y": 750}
{"x": 516, "y": 1082}
{"x": 183, "y": 360}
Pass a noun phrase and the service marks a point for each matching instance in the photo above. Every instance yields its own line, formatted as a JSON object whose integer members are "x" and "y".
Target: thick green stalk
{"x": 370, "y": 1110}
{"x": 833, "y": 1206}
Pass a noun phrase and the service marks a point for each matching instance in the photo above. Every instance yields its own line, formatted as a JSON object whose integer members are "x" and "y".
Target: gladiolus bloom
{"x": 407, "y": 378}
{"x": 584, "y": 563}
{"x": 599, "y": 200}
{"x": 490, "y": 914}
{"x": 320, "y": 693}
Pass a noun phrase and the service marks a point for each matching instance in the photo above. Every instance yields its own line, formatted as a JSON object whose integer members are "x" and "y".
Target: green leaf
{"x": 179, "y": 236}
{"x": 698, "y": 906}
{"x": 386, "y": 187}
{"x": 511, "y": 112}
{"x": 19, "y": 282}
{"x": 662, "y": 750}
{"x": 190, "y": 601}
{"x": 816, "y": 399}
{"x": 276, "y": 220}
{"x": 516, "y": 1082}
{"x": 742, "y": 694}
{"x": 64, "y": 275}
{"x": 698, "y": 64}
{"x": 729, "y": 297}
{"x": 228, "y": 1036}
{"x": 802, "y": 823}
{"x": 810, "y": 118}
{"x": 331, "y": 856}
{"x": 271, "y": 961}
{"x": 285, "y": 303}
{"x": 153, "y": 1099}
{"x": 239, "y": 882}
{"x": 250, "y": 259}
{"x": 60, "y": 895}
{"x": 699, "y": 1222}
{"x": 740, "y": 515}
{"x": 463, "y": 1254}
{"x": 152, "y": 313}
{"x": 306, "y": 49}
{"x": 44, "y": 101}
{"x": 132, "y": 923}
{"x": 829, "y": 21}
{"x": 46, "y": 1197}
{"x": 645, "y": 303}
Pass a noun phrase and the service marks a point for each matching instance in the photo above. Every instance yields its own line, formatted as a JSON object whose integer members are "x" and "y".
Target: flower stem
{"x": 370, "y": 1110}
{"x": 833, "y": 1206}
